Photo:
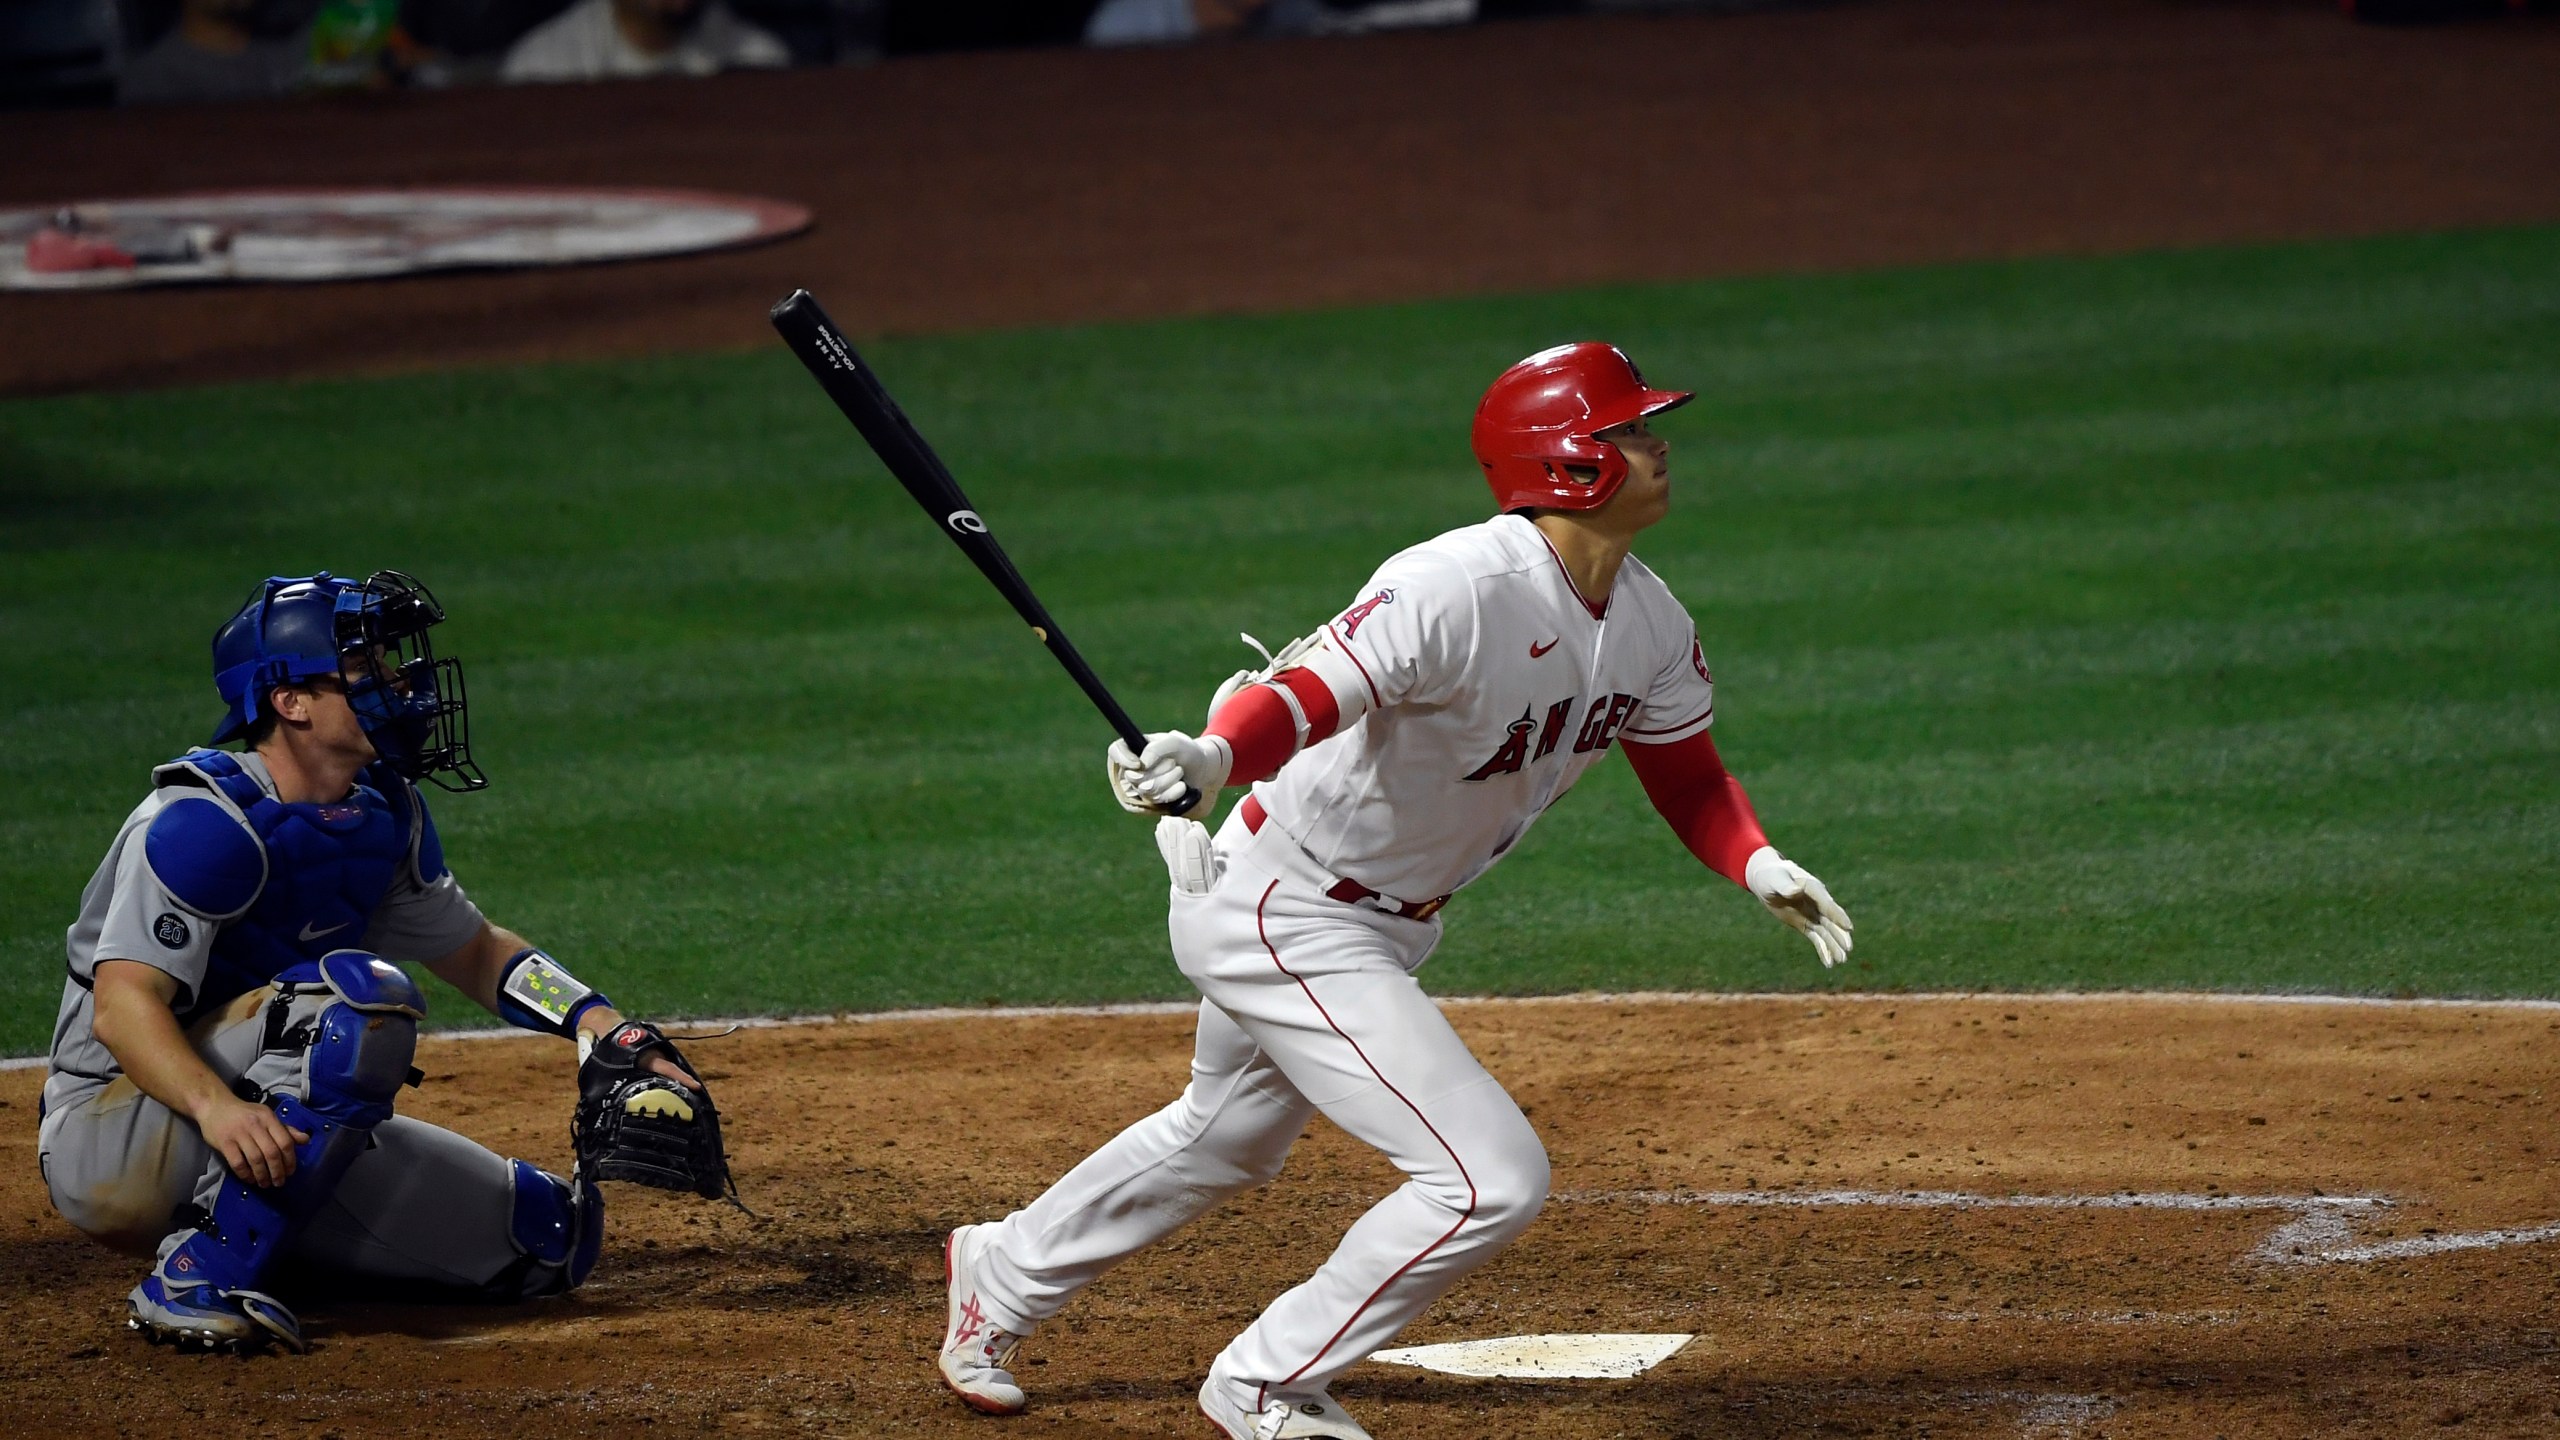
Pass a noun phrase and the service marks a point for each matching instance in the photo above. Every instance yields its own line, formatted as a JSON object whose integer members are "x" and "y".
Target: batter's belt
{"x": 1348, "y": 891}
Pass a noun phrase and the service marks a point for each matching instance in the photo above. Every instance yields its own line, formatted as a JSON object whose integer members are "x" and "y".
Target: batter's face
{"x": 1645, "y": 497}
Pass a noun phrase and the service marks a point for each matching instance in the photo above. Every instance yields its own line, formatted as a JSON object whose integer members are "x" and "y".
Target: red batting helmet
{"x": 1541, "y": 414}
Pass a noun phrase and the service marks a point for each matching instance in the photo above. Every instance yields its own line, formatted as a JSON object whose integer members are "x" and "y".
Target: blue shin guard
{"x": 558, "y": 1229}
{"x": 355, "y": 1056}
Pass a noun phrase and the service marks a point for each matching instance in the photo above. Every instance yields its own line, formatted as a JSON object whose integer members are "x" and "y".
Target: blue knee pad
{"x": 558, "y": 1229}
{"x": 356, "y": 1055}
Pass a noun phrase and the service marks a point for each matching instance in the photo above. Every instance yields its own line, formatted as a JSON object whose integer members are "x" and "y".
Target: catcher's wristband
{"x": 535, "y": 993}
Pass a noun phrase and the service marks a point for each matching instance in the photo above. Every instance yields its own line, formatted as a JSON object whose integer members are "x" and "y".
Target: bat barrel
{"x": 831, "y": 360}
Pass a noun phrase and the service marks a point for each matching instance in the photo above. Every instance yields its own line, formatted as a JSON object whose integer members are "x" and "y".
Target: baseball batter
{"x": 1393, "y": 756}
{"x": 234, "y": 1031}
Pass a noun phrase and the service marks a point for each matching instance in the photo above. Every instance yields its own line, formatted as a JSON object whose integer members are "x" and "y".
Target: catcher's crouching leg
{"x": 429, "y": 1215}
{"x": 338, "y": 1047}
{"x": 558, "y": 1229}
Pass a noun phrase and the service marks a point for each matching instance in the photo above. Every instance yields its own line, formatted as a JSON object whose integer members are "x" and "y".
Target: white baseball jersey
{"x": 1484, "y": 685}
{"x": 1475, "y": 686}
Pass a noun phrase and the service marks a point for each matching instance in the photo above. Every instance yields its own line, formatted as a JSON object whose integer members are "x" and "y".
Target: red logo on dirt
{"x": 1352, "y": 617}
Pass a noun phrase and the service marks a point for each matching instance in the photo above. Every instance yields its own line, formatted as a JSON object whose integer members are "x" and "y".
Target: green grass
{"x": 2178, "y": 620}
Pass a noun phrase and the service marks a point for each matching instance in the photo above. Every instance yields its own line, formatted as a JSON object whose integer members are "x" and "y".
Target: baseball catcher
{"x": 1393, "y": 756}
{"x": 237, "y": 1026}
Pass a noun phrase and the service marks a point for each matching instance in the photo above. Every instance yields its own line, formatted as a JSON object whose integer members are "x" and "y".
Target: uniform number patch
{"x": 171, "y": 931}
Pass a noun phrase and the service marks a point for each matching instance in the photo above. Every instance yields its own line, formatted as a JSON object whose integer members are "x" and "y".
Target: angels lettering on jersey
{"x": 1600, "y": 726}
{"x": 1483, "y": 684}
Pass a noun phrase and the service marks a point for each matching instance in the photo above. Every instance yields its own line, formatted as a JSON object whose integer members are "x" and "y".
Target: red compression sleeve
{"x": 1686, "y": 781}
{"x": 1258, "y": 724}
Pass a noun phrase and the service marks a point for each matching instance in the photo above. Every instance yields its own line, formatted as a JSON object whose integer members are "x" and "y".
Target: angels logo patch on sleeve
{"x": 1352, "y": 617}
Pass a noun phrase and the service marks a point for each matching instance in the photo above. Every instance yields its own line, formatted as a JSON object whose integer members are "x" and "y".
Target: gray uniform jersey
{"x": 421, "y": 1212}
{"x": 127, "y": 914}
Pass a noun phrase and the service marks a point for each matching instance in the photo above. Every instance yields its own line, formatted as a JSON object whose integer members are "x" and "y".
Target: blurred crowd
{"x": 172, "y": 51}
{"x": 55, "y": 52}
{"x": 192, "y": 50}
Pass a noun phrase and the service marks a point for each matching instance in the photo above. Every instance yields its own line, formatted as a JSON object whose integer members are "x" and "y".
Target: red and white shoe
{"x": 975, "y": 1351}
{"x": 1291, "y": 1417}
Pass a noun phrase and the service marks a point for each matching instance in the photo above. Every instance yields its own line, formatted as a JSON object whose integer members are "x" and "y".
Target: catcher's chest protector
{"x": 288, "y": 882}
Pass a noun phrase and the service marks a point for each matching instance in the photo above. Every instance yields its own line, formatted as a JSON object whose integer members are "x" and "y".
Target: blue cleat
{"x": 177, "y": 1304}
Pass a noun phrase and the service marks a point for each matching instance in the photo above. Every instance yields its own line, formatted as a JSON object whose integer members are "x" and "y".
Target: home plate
{"x": 1543, "y": 1357}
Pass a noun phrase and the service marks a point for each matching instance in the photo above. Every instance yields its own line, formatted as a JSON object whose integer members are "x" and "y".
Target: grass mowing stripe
{"x": 2180, "y": 619}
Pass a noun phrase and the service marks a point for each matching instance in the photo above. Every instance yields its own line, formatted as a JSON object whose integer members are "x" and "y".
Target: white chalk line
{"x": 2060, "y": 1416}
{"x": 1964, "y": 1200}
{"x": 2042, "y": 1414}
{"x": 2093, "y": 1317}
{"x": 2417, "y": 1245}
{"x": 1589, "y": 997}
{"x": 2321, "y": 1232}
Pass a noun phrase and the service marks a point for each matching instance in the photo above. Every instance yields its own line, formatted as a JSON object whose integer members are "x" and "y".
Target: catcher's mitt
{"x": 635, "y": 1124}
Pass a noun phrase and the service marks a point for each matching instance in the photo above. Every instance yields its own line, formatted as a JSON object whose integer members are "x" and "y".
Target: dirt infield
{"x": 1786, "y": 1178}
{"x": 1030, "y": 188}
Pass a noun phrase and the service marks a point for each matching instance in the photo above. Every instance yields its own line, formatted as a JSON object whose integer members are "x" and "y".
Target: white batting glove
{"x": 1796, "y": 897}
{"x": 1151, "y": 782}
{"x": 1228, "y": 687}
{"x": 1191, "y": 859}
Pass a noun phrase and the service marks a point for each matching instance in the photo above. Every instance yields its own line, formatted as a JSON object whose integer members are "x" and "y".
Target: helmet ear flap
{"x": 1544, "y": 415}
{"x": 1608, "y": 464}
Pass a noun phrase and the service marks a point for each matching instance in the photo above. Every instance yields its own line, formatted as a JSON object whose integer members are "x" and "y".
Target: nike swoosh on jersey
{"x": 1536, "y": 649}
{"x": 308, "y": 934}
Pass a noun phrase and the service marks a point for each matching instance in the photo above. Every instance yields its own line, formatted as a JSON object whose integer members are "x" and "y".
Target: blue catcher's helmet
{"x": 373, "y": 634}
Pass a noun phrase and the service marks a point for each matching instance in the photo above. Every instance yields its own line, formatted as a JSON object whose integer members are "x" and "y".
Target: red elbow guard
{"x": 1261, "y": 723}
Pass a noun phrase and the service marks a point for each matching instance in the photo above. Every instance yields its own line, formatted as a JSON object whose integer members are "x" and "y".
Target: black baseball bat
{"x": 857, "y": 391}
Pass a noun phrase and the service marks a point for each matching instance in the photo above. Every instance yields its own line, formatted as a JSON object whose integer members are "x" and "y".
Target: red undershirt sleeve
{"x": 1687, "y": 782}
{"x": 1263, "y": 723}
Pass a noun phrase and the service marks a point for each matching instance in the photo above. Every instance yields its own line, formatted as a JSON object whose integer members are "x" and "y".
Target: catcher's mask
{"x": 374, "y": 634}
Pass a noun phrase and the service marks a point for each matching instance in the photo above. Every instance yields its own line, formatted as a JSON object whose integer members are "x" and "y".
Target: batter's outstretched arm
{"x": 1708, "y": 809}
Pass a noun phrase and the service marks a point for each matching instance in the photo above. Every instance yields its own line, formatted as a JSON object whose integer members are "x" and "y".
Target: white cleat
{"x": 974, "y": 1352}
{"x": 1291, "y": 1417}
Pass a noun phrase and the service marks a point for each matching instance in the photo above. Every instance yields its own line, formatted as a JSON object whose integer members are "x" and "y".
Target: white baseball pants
{"x": 1308, "y": 1004}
